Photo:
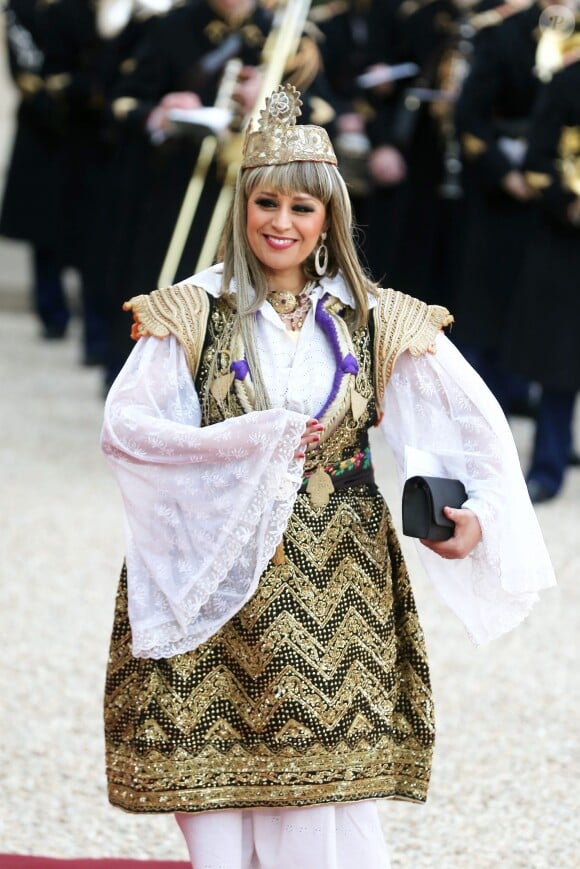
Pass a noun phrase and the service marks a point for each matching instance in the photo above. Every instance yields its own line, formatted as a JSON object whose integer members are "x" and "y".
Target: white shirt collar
{"x": 211, "y": 281}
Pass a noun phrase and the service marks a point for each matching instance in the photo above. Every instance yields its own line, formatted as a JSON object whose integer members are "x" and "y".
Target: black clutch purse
{"x": 423, "y": 502}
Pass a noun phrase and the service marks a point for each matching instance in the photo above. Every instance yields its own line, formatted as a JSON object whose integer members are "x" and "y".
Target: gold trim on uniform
{"x": 29, "y": 83}
{"x": 327, "y": 11}
{"x": 55, "y": 84}
{"x": 569, "y": 145}
{"x": 128, "y": 66}
{"x": 569, "y": 163}
{"x": 123, "y": 106}
{"x": 252, "y": 36}
{"x": 217, "y": 31}
{"x": 410, "y": 7}
{"x": 493, "y": 17}
{"x": 301, "y": 70}
{"x": 321, "y": 111}
{"x": 473, "y": 146}
{"x": 538, "y": 180}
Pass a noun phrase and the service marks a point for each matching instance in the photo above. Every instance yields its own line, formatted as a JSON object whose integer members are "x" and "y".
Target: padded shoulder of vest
{"x": 181, "y": 310}
{"x": 401, "y": 323}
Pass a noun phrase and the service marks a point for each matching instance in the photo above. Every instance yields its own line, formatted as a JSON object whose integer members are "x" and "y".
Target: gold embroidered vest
{"x": 399, "y": 323}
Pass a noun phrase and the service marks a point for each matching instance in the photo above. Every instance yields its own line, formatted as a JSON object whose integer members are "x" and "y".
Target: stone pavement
{"x": 505, "y": 782}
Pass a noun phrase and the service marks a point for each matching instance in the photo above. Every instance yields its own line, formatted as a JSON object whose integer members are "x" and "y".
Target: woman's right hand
{"x": 310, "y": 436}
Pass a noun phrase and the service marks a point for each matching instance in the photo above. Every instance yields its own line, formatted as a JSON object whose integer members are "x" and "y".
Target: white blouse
{"x": 206, "y": 507}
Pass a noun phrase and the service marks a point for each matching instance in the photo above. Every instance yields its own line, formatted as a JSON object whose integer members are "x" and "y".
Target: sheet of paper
{"x": 423, "y": 464}
{"x": 384, "y": 74}
{"x": 212, "y": 118}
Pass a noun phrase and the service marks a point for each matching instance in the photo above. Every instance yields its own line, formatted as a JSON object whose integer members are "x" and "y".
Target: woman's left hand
{"x": 465, "y": 538}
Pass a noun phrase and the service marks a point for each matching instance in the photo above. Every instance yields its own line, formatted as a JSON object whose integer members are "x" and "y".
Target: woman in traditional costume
{"x": 267, "y": 678}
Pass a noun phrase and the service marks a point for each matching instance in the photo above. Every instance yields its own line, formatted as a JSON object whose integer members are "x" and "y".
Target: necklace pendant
{"x": 283, "y": 302}
{"x": 221, "y": 386}
{"x": 319, "y": 488}
{"x": 358, "y": 404}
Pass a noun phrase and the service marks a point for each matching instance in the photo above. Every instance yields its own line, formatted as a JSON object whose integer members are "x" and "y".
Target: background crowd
{"x": 457, "y": 126}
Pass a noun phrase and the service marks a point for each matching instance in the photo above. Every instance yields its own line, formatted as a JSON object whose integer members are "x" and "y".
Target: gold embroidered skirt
{"x": 317, "y": 691}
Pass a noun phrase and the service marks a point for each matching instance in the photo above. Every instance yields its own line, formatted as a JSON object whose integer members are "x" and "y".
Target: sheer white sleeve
{"x": 439, "y": 404}
{"x": 205, "y": 507}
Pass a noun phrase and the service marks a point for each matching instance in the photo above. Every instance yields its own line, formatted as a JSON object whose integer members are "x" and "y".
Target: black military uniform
{"x": 345, "y": 44}
{"x": 48, "y": 191}
{"x": 31, "y": 202}
{"x": 154, "y": 177}
{"x": 543, "y": 343}
{"x": 344, "y": 48}
{"x": 492, "y": 120}
{"x": 71, "y": 49}
{"x": 72, "y": 67}
{"x": 415, "y": 226}
{"x": 118, "y": 170}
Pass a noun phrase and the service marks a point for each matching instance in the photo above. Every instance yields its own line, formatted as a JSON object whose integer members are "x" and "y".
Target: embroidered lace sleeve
{"x": 438, "y": 403}
{"x": 205, "y": 507}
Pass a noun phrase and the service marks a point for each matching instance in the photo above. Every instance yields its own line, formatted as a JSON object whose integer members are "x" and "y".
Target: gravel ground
{"x": 504, "y": 790}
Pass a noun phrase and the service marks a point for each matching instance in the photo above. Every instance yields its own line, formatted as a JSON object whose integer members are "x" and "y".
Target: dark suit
{"x": 542, "y": 343}
{"x": 153, "y": 178}
{"x": 49, "y": 184}
{"x": 492, "y": 117}
{"x": 415, "y": 228}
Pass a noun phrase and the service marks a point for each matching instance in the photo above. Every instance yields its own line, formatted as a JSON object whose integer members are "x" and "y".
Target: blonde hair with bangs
{"x": 322, "y": 181}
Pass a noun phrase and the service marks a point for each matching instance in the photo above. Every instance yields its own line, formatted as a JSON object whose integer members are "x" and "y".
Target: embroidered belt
{"x": 356, "y": 470}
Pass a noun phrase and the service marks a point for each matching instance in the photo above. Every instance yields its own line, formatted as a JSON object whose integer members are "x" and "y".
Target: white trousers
{"x": 317, "y": 837}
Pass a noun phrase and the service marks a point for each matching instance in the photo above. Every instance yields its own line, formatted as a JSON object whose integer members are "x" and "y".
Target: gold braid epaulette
{"x": 403, "y": 323}
{"x": 181, "y": 310}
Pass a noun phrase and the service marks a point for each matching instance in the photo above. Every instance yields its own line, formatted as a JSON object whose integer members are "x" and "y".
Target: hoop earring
{"x": 321, "y": 254}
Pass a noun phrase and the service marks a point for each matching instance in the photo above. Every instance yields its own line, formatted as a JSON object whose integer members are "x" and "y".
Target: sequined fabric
{"x": 317, "y": 691}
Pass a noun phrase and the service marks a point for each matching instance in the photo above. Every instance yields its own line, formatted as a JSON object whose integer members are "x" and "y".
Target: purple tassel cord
{"x": 346, "y": 365}
{"x": 240, "y": 369}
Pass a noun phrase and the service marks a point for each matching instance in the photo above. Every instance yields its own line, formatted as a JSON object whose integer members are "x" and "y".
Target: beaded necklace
{"x": 292, "y": 309}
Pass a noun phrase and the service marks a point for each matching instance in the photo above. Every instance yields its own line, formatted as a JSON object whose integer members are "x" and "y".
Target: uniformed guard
{"x": 55, "y": 58}
{"x": 30, "y": 207}
{"x": 416, "y": 210}
{"x": 73, "y": 75}
{"x": 345, "y": 53}
{"x": 542, "y": 339}
{"x": 492, "y": 118}
{"x": 118, "y": 156}
{"x": 180, "y": 65}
